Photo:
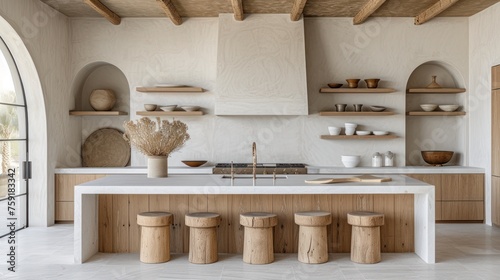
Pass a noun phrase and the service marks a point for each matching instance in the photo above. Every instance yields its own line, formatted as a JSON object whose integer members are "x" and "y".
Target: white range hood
{"x": 261, "y": 66}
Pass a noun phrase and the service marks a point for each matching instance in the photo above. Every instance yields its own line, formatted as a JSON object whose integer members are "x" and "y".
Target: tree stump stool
{"x": 365, "y": 238}
{"x": 258, "y": 237}
{"x": 313, "y": 237}
{"x": 203, "y": 236}
{"x": 155, "y": 236}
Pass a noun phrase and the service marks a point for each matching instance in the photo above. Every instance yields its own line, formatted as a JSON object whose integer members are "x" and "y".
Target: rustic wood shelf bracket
{"x": 369, "y": 8}
{"x": 433, "y": 11}
{"x": 238, "y": 9}
{"x": 297, "y": 9}
{"x": 104, "y": 11}
{"x": 169, "y": 9}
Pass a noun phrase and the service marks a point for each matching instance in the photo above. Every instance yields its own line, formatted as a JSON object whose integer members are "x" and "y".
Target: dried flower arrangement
{"x": 159, "y": 138}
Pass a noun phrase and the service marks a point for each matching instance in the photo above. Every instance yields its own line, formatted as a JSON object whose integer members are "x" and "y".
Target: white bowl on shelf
{"x": 363, "y": 132}
{"x": 353, "y": 125}
{"x": 333, "y": 130}
{"x": 448, "y": 108}
{"x": 351, "y": 161}
{"x": 350, "y": 130}
{"x": 428, "y": 107}
{"x": 190, "y": 108}
{"x": 380, "y": 132}
{"x": 168, "y": 108}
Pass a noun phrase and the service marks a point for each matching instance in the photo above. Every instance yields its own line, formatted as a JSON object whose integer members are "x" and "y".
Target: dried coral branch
{"x": 159, "y": 138}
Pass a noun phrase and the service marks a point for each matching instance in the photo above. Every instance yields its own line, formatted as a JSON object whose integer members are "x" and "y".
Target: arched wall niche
{"x": 436, "y": 132}
{"x": 100, "y": 75}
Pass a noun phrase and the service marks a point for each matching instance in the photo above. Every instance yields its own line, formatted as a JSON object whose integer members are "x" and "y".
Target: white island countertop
{"x": 87, "y": 216}
{"x": 448, "y": 169}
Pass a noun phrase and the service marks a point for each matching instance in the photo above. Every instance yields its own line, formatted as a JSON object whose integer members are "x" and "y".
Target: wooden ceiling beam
{"x": 297, "y": 9}
{"x": 369, "y": 8}
{"x": 238, "y": 9}
{"x": 104, "y": 11}
{"x": 169, "y": 9}
{"x": 433, "y": 11}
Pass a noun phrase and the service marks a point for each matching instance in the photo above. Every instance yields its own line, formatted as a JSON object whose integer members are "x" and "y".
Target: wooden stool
{"x": 155, "y": 236}
{"x": 258, "y": 239}
{"x": 202, "y": 236}
{"x": 313, "y": 237}
{"x": 365, "y": 238}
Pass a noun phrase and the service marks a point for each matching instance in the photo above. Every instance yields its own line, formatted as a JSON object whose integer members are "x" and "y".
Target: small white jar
{"x": 389, "y": 159}
{"x": 377, "y": 160}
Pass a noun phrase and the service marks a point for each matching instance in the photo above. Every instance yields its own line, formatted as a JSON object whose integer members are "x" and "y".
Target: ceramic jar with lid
{"x": 389, "y": 159}
{"x": 377, "y": 160}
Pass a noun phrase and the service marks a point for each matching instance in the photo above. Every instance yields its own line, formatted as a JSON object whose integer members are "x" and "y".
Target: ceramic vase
{"x": 157, "y": 166}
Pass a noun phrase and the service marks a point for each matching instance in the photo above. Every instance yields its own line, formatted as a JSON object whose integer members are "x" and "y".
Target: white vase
{"x": 157, "y": 166}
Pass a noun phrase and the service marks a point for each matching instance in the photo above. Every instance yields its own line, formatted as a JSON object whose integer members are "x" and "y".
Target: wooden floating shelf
{"x": 357, "y": 137}
{"x": 349, "y": 114}
{"x": 356, "y": 90}
{"x": 438, "y": 113}
{"x": 97, "y": 113}
{"x": 435, "y": 90}
{"x": 169, "y": 89}
{"x": 172, "y": 113}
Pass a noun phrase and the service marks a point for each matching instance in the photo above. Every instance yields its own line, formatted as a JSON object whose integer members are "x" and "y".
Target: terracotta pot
{"x": 157, "y": 166}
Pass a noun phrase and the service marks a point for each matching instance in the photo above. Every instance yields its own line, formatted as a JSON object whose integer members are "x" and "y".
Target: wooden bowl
{"x": 372, "y": 83}
{"x": 352, "y": 83}
{"x": 437, "y": 158}
{"x": 334, "y": 85}
{"x": 194, "y": 163}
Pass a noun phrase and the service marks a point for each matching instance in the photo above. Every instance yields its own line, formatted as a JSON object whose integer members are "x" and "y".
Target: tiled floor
{"x": 464, "y": 251}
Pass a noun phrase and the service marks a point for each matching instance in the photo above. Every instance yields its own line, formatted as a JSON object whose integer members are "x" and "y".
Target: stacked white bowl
{"x": 351, "y": 161}
{"x": 350, "y": 128}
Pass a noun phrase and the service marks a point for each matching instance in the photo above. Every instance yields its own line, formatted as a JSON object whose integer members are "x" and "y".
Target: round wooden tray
{"x": 105, "y": 147}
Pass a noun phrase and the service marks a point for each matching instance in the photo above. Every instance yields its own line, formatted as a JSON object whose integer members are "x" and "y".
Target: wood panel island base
{"x": 408, "y": 206}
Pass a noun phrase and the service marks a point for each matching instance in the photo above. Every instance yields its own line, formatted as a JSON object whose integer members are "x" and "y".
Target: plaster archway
{"x": 37, "y": 128}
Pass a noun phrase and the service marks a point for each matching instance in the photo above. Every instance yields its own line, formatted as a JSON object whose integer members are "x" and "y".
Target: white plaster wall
{"x": 44, "y": 32}
{"x": 151, "y": 51}
{"x": 484, "y": 53}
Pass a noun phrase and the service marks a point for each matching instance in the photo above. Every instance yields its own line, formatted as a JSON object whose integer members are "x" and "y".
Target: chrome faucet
{"x": 254, "y": 157}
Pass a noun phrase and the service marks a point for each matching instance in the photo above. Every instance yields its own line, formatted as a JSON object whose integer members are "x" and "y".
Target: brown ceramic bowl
{"x": 194, "y": 163}
{"x": 437, "y": 158}
{"x": 334, "y": 85}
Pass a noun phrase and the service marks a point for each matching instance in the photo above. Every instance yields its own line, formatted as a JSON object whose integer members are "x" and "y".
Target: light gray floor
{"x": 464, "y": 251}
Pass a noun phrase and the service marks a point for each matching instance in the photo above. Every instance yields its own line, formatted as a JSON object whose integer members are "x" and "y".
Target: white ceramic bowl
{"x": 334, "y": 130}
{"x": 448, "y": 108}
{"x": 190, "y": 108}
{"x": 168, "y": 108}
{"x": 351, "y": 161}
{"x": 428, "y": 107}
{"x": 363, "y": 132}
{"x": 150, "y": 107}
{"x": 353, "y": 125}
{"x": 350, "y": 130}
{"x": 380, "y": 132}
{"x": 377, "y": 108}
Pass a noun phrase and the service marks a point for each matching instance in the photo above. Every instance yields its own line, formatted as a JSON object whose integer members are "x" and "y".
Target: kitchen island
{"x": 87, "y": 203}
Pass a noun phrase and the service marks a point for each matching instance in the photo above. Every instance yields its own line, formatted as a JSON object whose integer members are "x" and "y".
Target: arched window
{"x": 13, "y": 145}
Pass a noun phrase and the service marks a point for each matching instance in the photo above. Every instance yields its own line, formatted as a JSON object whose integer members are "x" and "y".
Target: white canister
{"x": 389, "y": 159}
{"x": 377, "y": 160}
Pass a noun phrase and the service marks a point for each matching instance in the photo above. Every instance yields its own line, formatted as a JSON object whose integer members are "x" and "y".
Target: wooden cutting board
{"x": 362, "y": 178}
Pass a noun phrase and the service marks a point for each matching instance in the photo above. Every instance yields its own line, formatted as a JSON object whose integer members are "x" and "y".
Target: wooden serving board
{"x": 362, "y": 178}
